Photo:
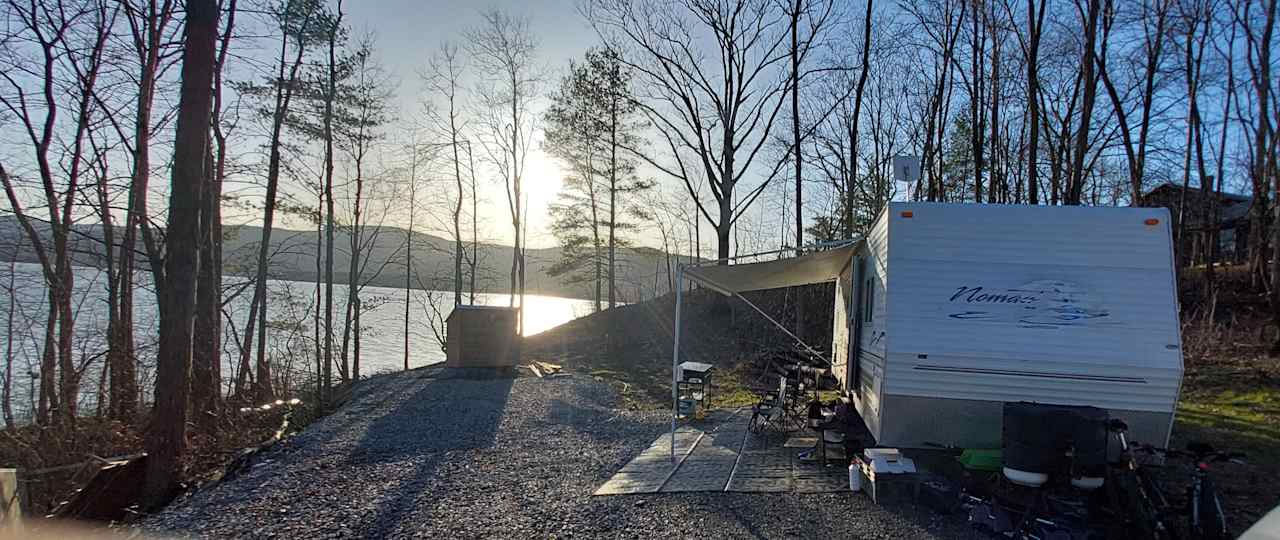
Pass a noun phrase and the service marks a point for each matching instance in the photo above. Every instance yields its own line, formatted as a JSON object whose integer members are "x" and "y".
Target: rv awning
{"x": 817, "y": 267}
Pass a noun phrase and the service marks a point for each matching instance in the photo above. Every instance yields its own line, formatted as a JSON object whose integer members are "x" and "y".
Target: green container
{"x": 980, "y": 460}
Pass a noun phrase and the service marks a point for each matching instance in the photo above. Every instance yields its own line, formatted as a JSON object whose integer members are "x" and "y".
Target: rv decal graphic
{"x": 1038, "y": 304}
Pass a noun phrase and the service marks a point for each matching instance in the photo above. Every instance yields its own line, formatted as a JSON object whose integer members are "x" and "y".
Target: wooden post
{"x": 10, "y": 502}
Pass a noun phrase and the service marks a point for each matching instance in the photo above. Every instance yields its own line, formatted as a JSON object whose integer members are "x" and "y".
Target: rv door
{"x": 855, "y": 344}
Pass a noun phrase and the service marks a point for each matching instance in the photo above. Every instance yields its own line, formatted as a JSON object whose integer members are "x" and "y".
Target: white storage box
{"x": 887, "y": 476}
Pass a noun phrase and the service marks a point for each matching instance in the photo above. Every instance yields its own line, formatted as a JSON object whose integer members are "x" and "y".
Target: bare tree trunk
{"x": 244, "y": 379}
{"x": 937, "y": 115}
{"x": 1195, "y": 140}
{"x": 207, "y": 355}
{"x": 318, "y": 316}
{"x": 597, "y": 246}
{"x": 613, "y": 203}
{"x": 166, "y": 436}
{"x": 1034, "y": 23}
{"x": 457, "y": 208}
{"x": 1075, "y": 188}
{"x": 68, "y": 374}
{"x": 474, "y": 261}
{"x": 977, "y": 48}
{"x": 6, "y": 396}
{"x": 517, "y": 214}
{"x": 797, "y": 158}
{"x": 858, "y": 92}
{"x": 1153, "y": 45}
{"x": 445, "y": 77}
{"x": 326, "y": 378}
{"x": 1180, "y": 245}
{"x": 995, "y": 187}
{"x": 46, "y": 28}
{"x": 1264, "y": 152}
{"x": 1215, "y": 214}
{"x": 263, "y": 390}
{"x": 355, "y": 357}
{"x": 351, "y": 323}
{"x": 115, "y": 349}
{"x": 48, "y": 407}
{"x": 148, "y": 32}
{"x": 408, "y": 242}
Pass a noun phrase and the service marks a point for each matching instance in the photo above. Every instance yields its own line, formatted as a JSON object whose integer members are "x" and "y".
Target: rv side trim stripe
{"x": 1040, "y": 374}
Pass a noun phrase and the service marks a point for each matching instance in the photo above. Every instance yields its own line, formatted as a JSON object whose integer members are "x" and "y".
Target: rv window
{"x": 870, "y": 290}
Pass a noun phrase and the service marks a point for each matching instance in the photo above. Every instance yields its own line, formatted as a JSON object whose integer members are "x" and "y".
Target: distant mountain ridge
{"x": 294, "y": 255}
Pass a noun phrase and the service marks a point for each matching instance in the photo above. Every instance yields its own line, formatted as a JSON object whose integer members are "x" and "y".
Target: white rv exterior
{"x": 952, "y": 310}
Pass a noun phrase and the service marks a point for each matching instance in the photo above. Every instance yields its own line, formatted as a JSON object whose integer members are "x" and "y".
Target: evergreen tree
{"x": 592, "y": 127}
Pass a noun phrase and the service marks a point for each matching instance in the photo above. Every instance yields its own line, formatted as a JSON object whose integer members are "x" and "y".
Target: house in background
{"x": 1232, "y": 222}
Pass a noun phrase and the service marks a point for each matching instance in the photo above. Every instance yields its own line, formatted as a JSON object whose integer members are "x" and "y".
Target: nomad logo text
{"x": 1038, "y": 304}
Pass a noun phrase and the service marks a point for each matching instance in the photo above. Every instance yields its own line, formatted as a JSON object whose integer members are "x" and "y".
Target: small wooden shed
{"x": 483, "y": 336}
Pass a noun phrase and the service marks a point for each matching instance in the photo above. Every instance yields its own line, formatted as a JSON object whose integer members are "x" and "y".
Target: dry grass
{"x": 630, "y": 346}
{"x": 1231, "y": 399}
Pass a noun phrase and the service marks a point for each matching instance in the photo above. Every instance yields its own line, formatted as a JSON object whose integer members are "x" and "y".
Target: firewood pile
{"x": 545, "y": 369}
{"x": 765, "y": 366}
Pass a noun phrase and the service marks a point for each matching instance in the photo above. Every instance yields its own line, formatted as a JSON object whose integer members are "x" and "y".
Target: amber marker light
{"x": 907, "y": 214}
{"x": 1152, "y": 221}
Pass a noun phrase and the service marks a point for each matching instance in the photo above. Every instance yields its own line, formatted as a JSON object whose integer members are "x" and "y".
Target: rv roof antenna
{"x": 906, "y": 169}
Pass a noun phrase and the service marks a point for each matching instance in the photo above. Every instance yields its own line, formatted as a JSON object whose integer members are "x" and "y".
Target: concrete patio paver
{"x": 722, "y": 455}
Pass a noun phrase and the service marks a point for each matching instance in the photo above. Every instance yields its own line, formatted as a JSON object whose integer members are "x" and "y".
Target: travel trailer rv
{"x": 945, "y": 312}
{"x": 951, "y": 310}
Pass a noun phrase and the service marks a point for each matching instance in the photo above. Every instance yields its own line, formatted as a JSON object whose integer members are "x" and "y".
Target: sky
{"x": 408, "y": 32}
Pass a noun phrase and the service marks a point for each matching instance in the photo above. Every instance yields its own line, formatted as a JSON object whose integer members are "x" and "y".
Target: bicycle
{"x": 1143, "y": 509}
{"x": 1205, "y": 517}
{"x": 1131, "y": 504}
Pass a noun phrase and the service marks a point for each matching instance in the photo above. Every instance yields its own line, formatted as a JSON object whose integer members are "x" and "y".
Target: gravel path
{"x": 411, "y": 456}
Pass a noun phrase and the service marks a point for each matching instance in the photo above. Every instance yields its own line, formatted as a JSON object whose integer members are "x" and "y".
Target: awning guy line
{"x": 783, "y": 328}
{"x": 729, "y": 291}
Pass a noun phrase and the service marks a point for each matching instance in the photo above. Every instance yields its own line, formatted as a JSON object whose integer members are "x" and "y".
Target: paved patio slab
{"x": 721, "y": 455}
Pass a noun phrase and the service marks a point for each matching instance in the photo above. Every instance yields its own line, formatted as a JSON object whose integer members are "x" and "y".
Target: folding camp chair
{"x": 772, "y": 409}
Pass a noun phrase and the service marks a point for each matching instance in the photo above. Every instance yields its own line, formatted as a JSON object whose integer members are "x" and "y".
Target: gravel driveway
{"x": 411, "y": 455}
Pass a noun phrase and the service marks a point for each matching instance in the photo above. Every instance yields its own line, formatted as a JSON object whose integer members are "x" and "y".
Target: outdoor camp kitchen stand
{"x": 822, "y": 263}
{"x": 692, "y": 389}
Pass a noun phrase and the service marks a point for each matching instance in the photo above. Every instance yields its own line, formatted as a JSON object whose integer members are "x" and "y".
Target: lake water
{"x": 290, "y": 312}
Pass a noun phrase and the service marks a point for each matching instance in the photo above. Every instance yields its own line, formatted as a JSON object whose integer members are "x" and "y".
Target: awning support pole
{"x": 675, "y": 361}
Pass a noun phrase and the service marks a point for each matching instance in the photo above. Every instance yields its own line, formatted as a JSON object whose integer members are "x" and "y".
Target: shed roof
{"x": 473, "y": 307}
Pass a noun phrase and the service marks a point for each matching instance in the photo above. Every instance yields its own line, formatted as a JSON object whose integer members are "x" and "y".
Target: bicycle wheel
{"x": 1211, "y": 523}
{"x": 1142, "y": 518}
{"x": 1161, "y": 508}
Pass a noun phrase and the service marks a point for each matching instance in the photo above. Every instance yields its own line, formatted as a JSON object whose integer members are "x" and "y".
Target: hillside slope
{"x": 632, "y": 345}
{"x": 294, "y": 259}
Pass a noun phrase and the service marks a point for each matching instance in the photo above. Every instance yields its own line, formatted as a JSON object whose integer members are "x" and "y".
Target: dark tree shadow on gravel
{"x": 443, "y": 416}
{"x": 369, "y": 395}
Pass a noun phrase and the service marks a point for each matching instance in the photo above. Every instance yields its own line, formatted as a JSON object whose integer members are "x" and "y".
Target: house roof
{"x": 1235, "y": 212}
{"x": 1170, "y": 185}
